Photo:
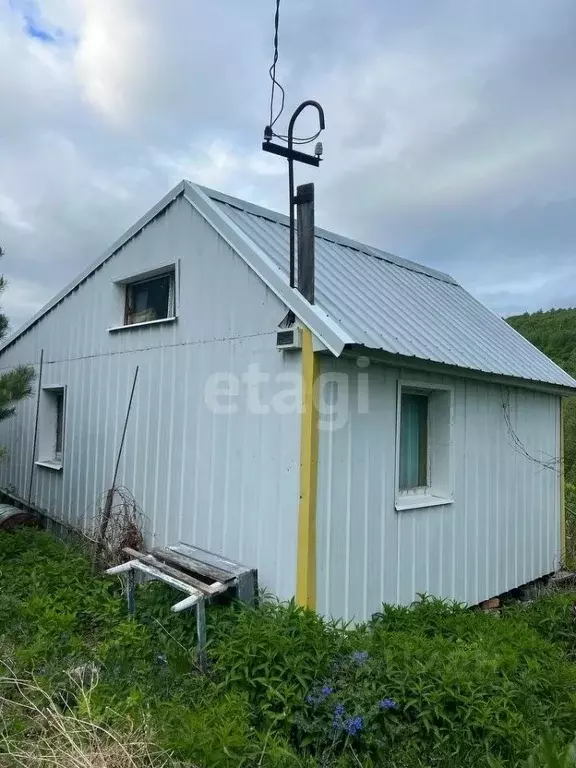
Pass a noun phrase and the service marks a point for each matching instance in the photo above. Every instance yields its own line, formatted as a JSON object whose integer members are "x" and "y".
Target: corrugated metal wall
{"x": 228, "y": 483}
{"x": 502, "y": 530}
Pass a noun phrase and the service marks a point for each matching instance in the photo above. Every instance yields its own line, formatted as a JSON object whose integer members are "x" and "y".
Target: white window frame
{"x": 440, "y": 449}
{"x": 122, "y": 285}
{"x": 48, "y": 456}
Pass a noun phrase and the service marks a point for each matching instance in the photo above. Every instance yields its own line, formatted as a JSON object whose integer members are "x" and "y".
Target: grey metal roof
{"x": 386, "y": 303}
{"x": 364, "y": 296}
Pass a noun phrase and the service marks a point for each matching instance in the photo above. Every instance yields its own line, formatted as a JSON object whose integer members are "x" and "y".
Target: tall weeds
{"x": 431, "y": 685}
{"x": 49, "y": 734}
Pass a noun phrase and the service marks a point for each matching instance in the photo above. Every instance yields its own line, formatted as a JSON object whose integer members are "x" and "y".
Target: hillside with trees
{"x": 554, "y": 332}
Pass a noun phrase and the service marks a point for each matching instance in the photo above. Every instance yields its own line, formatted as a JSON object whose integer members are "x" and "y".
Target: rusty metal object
{"x": 12, "y": 517}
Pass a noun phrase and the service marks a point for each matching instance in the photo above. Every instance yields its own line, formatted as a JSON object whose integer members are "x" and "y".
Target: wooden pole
{"x": 131, "y": 592}
{"x": 110, "y": 495}
{"x": 201, "y": 632}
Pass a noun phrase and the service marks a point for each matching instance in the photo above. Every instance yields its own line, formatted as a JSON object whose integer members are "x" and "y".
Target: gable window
{"x": 423, "y": 445}
{"x": 150, "y": 299}
{"x": 52, "y": 427}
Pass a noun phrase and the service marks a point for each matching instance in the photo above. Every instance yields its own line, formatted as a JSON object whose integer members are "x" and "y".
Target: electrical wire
{"x": 547, "y": 461}
{"x": 272, "y": 71}
{"x": 298, "y": 140}
{"x": 276, "y": 84}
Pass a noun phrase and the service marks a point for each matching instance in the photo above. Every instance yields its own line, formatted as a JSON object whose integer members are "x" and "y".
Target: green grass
{"x": 436, "y": 684}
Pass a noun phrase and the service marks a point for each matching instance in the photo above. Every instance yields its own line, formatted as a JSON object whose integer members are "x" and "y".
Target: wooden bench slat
{"x": 210, "y": 558}
{"x": 174, "y": 558}
{"x": 207, "y": 589}
{"x": 157, "y": 574}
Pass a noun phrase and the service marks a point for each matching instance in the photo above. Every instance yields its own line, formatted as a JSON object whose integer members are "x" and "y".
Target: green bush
{"x": 434, "y": 684}
{"x": 274, "y": 654}
{"x": 437, "y": 679}
{"x": 549, "y": 755}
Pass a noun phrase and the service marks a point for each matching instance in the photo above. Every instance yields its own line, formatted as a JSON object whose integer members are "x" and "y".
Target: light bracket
{"x": 290, "y": 154}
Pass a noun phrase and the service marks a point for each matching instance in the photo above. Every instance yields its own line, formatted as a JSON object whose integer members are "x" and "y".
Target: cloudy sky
{"x": 450, "y": 137}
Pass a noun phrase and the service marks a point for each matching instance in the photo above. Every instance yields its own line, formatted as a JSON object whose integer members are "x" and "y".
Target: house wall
{"x": 224, "y": 482}
{"x": 501, "y": 531}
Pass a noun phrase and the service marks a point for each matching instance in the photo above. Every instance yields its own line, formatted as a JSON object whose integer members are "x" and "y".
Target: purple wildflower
{"x": 353, "y": 725}
{"x": 319, "y": 696}
{"x": 387, "y": 704}
{"x": 360, "y": 657}
{"x": 339, "y": 710}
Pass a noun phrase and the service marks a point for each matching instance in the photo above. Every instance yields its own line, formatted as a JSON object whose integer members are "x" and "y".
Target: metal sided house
{"x": 393, "y": 438}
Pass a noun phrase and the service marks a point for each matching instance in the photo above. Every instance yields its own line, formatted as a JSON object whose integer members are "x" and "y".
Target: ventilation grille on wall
{"x": 290, "y": 338}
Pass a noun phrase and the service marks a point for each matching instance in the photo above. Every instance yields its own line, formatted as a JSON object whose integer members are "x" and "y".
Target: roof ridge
{"x": 325, "y": 234}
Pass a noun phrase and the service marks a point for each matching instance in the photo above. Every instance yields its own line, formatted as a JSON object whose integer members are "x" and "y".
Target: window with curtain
{"x": 413, "y": 459}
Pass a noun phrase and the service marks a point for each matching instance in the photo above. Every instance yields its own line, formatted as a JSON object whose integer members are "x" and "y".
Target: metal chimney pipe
{"x": 306, "y": 241}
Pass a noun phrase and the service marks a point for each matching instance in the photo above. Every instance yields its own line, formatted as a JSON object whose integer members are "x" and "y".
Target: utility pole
{"x": 304, "y": 200}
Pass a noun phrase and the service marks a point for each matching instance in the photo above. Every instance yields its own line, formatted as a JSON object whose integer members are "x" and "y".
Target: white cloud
{"x": 11, "y": 215}
{"x": 114, "y": 55}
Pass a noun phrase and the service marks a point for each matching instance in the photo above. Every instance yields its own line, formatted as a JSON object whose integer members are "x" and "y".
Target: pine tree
{"x": 16, "y": 384}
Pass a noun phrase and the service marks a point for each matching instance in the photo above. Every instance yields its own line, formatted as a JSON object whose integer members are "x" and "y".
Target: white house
{"x": 412, "y": 444}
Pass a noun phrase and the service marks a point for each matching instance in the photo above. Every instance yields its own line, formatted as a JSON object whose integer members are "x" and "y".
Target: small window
{"x": 424, "y": 445}
{"x": 52, "y": 427}
{"x": 151, "y": 299}
{"x": 413, "y": 442}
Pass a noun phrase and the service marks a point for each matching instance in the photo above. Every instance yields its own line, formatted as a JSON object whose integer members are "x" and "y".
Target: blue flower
{"x": 319, "y": 696}
{"x": 353, "y": 725}
{"x": 360, "y": 657}
{"x": 387, "y": 704}
{"x": 338, "y": 723}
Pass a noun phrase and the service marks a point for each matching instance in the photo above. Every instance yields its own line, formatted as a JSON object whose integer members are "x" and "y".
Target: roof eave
{"x": 432, "y": 366}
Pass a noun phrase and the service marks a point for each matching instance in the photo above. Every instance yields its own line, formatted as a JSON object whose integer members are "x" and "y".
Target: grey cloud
{"x": 449, "y": 130}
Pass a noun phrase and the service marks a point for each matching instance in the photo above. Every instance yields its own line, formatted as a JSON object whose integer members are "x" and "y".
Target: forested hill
{"x": 554, "y": 332}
